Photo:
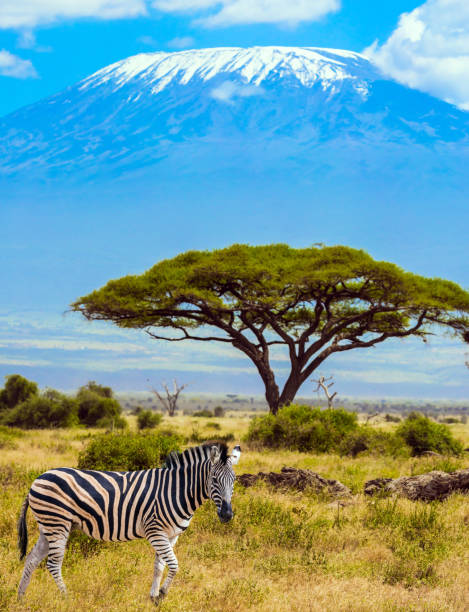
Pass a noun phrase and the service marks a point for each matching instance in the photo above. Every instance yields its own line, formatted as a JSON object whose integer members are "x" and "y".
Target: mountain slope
{"x": 203, "y": 108}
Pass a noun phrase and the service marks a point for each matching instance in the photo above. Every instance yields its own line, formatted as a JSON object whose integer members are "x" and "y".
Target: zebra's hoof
{"x": 157, "y": 599}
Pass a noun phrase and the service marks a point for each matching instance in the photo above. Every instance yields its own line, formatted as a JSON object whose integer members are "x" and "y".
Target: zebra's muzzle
{"x": 225, "y": 513}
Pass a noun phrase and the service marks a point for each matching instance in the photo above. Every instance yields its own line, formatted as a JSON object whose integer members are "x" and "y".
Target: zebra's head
{"x": 221, "y": 479}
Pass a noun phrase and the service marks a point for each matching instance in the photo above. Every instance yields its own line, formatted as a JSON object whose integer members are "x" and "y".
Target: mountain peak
{"x": 254, "y": 65}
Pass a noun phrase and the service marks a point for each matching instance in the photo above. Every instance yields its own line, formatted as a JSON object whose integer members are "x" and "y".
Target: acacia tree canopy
{"x": 314, "y": 301}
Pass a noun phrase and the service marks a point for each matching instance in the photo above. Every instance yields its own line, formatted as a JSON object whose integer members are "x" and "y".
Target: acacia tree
{"x": 314, "y": 301}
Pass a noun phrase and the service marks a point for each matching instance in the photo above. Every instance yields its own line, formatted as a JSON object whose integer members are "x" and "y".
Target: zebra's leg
{"x": 57, "y": 543}
{"x": 164, "y": 552}
{"x": 37, "y": 554}
{"x": 169, "y": 579}
{"x": 157, "y": 574}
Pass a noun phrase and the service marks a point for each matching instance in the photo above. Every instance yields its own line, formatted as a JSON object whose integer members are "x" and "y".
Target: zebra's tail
{"x": 23, "y": 529}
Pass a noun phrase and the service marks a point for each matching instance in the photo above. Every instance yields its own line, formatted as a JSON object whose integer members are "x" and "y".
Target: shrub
{"x": 392, "y": 418}
{"x": 203, "y": 413}
{"x": 374, "y": 442}
{"x": 127, "y": 451}
{"x": 147, "y": 419}
{"x": 422, "y": 434}
{"x": 213, "y": 425}
{"x": 48, "y": 410}
{"x": 97, "y": 407}
{"x": 303, "y": 428}
{"x": 17, "y": 390}
{"x": 218, "y": 411}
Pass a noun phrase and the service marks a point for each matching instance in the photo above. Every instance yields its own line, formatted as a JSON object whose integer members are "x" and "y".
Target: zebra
{"x": 157, "y": 504}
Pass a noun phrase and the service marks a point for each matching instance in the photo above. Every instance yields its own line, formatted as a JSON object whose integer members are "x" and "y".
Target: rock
{"x": 434, "y": 485}
{"x": 293, "y": 478}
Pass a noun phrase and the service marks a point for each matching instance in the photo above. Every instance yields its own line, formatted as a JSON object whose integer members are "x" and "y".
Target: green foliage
{"x": 97, "y": 407}
{"x": 148, "y": 419}
{"x": 128, "y": 451}
{"x": 303, "y": 428}
{"x": 203, "y": 413}
{"x": 267, "y": 276}
{"x": 392, "y": 418}
{"x": 450, "y": 420}
{"x": 422, "y": 434}
{"x": 101, "y": 390}
{"x": 373, "y": 441}
{"x": 17, "y": 389}
{"x": 218, "y": 411}
{"x": 48, "y": 410}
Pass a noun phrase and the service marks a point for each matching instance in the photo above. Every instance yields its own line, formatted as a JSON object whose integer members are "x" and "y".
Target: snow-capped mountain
{"x": 227, "y": 107}
{"x": 258, "y": 65}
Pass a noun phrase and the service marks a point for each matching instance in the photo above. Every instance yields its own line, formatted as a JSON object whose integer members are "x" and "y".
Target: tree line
{"x": 23, "y": 405}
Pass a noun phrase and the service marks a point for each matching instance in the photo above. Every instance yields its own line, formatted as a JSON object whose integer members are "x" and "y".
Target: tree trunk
{"x": 272, "y": 393}
{"x": 290, "y": 389}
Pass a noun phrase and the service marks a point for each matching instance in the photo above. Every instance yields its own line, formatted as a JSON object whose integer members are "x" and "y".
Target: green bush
{"x": 147, "y": 419}
{"x": 374, "y": 442}
{"x": 422, "y": 434}
{"x": 97, "y": 407}
{"x": 17, "y": 390}
{"x": 303, "y": 428}
{"x": 203, "y": 413}
{"x": 48, "y": 410}
{"x": 218, "y": 411}
{"x": 128, "y": 451}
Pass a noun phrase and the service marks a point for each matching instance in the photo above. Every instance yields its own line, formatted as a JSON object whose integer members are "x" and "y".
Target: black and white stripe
{"x": 156, "y": 504}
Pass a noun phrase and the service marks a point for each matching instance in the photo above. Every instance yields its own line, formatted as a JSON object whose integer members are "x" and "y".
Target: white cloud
{"x": 13, "y": 66}
{"x": 181, "y": 42}
{"x": 226, "y": 91}
{"x": 24, "y": 362}
{"x": 30, "y": 13}
{"x": 66, "y": 344}
{"x": 233, "y": 12}
{"x": 429, "y": 50}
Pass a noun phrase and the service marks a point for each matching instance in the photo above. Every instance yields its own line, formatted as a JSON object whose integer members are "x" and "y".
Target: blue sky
{"x": 46, "y": 46}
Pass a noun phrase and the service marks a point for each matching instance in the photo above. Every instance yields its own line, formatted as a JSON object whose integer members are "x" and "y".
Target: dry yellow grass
{"x": 283, "y": 551}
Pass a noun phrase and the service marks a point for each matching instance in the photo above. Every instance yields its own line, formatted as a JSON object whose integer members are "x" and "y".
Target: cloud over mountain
{"x": 13, "y": 66}
{"x": 31, "y": 13}
{"x": 429, "y": 50}
{"x": 222, "y": 13}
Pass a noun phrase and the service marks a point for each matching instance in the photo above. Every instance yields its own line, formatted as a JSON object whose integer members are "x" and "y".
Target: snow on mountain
{"x": 222, "y": 109}
{"x": 255, "y": 65}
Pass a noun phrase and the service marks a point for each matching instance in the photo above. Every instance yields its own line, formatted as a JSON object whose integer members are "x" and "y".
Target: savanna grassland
{"x": 282, "y": 551}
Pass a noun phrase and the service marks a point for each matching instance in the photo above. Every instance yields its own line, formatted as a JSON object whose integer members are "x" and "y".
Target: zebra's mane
{"x": 175, "y": 459}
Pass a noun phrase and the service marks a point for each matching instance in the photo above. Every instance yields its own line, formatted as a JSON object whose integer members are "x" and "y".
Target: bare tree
{"x": 170, "y": 401}
{"x": 322, "y": 383}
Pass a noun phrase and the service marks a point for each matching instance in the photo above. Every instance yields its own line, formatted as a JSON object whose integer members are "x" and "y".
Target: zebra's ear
{"x": 235, "y": 455}
{"x": 214, "y": 454}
